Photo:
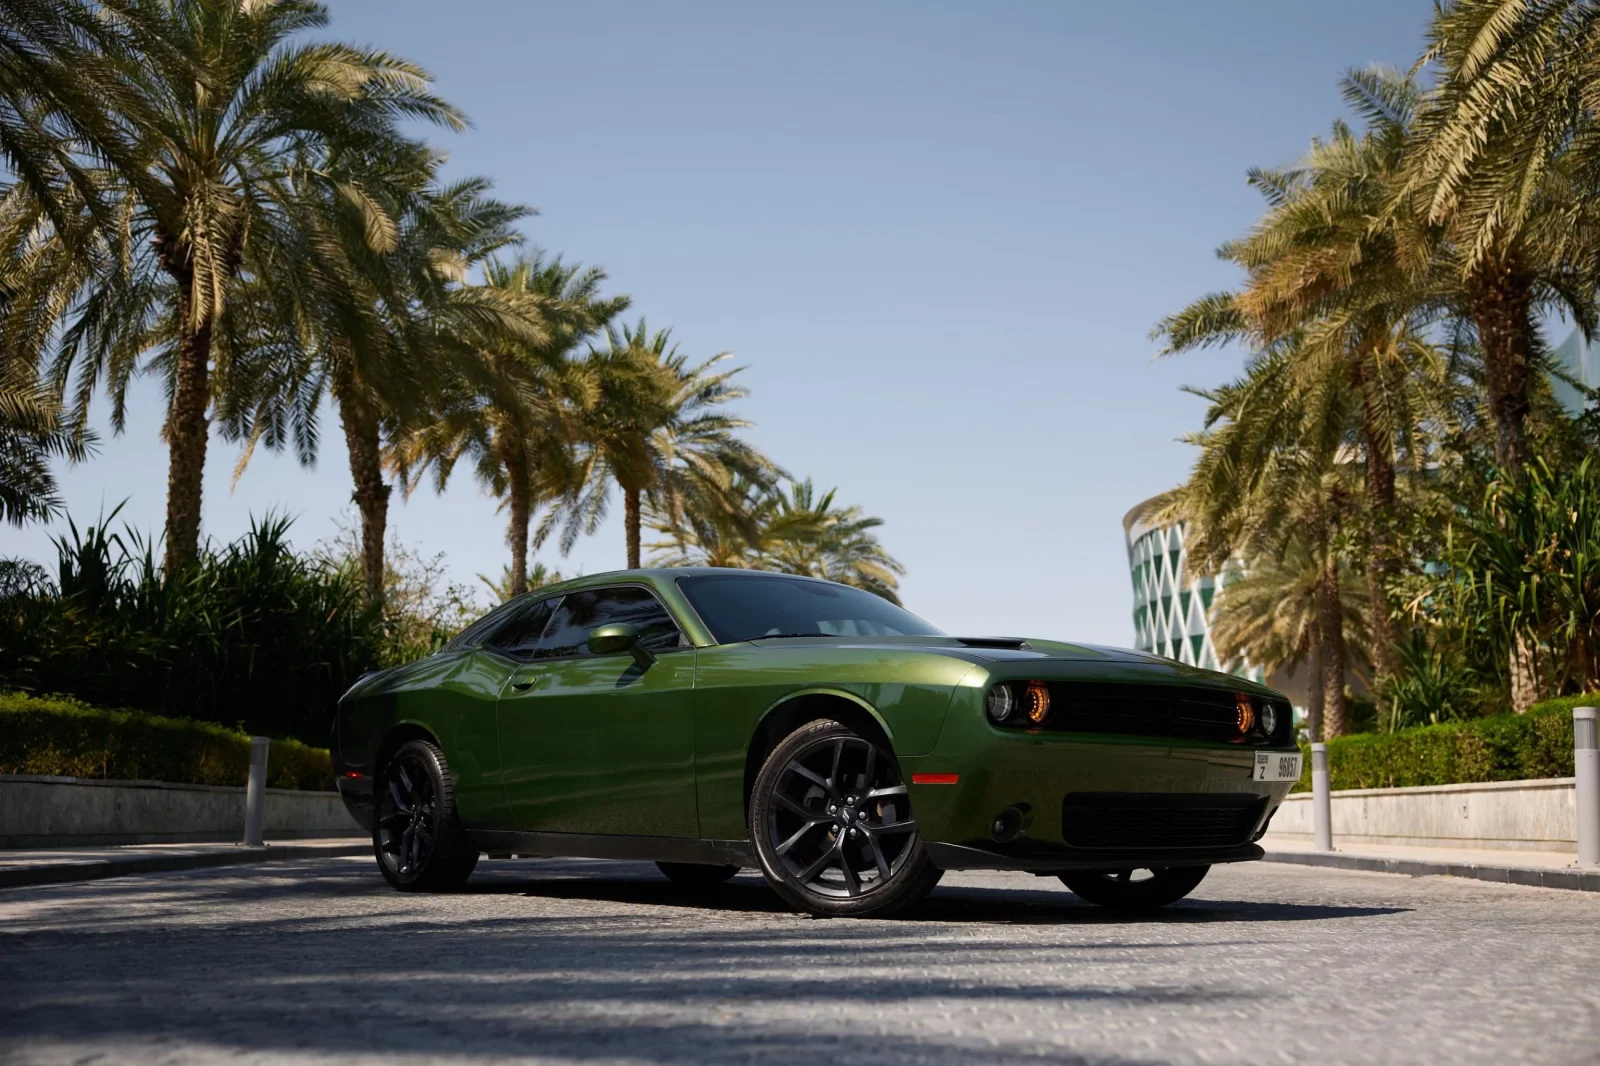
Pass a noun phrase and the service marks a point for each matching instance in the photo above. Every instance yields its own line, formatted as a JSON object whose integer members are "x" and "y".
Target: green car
{"x": 710, "y": 719}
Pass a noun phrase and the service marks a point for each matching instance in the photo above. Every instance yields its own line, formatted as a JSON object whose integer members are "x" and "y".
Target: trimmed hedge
{"x": 58, "y": 735}
{"x": 1501, "y": 747}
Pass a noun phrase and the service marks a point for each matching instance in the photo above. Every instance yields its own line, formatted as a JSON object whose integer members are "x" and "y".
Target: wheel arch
{"x": 398, "y": 734}
{"x": 798, "y": 708}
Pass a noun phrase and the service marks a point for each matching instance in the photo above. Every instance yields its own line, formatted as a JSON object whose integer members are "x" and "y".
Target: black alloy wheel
{"x": 417, "y": 833}
{"x": 1138, "y": 889}
{"x": 830, "y": 818}
{"x": 694, "y": 873}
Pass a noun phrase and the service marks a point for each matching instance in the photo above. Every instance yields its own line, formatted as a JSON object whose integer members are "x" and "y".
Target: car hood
{"x": 1003, "y": 652}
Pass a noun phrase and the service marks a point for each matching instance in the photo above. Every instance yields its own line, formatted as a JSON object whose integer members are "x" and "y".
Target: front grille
{"x": 1153, "y": 711}
{"x": 1159, "y": 819}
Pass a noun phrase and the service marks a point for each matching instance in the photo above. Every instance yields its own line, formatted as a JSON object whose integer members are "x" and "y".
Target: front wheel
{"x": 416, "y": 832}
{"x": 831, "y": 822}
{"x": 1136, "y": 889}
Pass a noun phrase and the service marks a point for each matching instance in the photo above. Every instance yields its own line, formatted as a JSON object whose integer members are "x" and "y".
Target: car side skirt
{"x": 607, "y": 846}
{"x": 962, "y": 857}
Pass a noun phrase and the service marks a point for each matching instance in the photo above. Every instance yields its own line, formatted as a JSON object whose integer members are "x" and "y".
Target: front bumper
{"x": 1034, "y": 774}
{"x": 357, "y": 795}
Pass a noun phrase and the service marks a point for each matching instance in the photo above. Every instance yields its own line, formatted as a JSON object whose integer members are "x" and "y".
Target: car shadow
{"x": 747, "y": 893}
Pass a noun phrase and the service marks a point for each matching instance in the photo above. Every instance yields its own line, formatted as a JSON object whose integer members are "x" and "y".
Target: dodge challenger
{"x": 710, "y": 720}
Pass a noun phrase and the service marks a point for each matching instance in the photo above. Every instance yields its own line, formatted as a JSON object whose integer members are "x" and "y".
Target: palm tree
{"x": 376, "y": 318}
{"x": 206, "y": 126}
{"x": 1503, "y": 155}
{"x": 1267, "y": 616}
{"x": 517, "y": 425}
{"x": 1269, "y": 473}
{"x": 659, "y": 430}
{"x": 792, "y": 530}
{"x": 32, "y": 432}
{"x": 1332, "y": 261}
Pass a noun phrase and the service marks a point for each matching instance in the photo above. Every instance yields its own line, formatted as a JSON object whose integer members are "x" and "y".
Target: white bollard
{"x": 255, "y": 793}
{"x": 1586, "y": 767}
{"x": 1321, "y": 797}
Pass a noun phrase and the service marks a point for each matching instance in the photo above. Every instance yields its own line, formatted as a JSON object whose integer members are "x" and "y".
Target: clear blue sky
{"x": 937, "y": 234}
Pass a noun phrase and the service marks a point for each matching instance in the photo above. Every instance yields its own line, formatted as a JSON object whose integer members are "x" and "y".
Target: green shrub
{"x": 58, "y": 735}
{"x": 1501, "y": 747}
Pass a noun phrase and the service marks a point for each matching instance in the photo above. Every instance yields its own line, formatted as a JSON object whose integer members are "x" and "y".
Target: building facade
{"x": 1171, "y": 606}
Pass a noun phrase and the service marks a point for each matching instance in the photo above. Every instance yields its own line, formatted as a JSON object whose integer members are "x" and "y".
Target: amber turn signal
{"x": 1247, "y": 714}
{"x": 1036, "y": 702}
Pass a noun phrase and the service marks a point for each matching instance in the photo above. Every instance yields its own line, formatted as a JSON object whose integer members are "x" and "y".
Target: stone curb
{"x": 1574, "y": 880}
{"x": 52, "y": 873}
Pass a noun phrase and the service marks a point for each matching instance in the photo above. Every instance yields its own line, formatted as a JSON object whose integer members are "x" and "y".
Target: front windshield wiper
{"x": 775, "y": 636}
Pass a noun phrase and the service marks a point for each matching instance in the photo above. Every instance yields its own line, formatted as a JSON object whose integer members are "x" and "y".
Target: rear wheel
{"x": 830, "y": 819}
{"x": 694, "y": 873}
{"x": 1136, "y": 889}
{"x": 416, "y": 832}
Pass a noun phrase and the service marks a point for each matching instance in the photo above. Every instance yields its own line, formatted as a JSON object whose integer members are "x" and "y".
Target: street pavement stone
{"x": 558, "y": 961}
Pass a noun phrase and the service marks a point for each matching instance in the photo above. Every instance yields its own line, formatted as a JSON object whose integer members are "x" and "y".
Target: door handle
{"x": 522, "y": 686}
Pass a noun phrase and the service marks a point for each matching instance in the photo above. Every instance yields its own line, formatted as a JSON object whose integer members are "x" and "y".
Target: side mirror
{"x": 620, "y": 637}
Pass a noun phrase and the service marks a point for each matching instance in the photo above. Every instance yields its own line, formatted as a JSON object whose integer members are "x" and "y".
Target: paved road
{"x": 588, "y": 962}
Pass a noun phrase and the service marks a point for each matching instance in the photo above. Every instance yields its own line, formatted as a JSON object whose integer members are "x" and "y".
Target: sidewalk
{"x": 1541, "y": 869}
{"x": 55, "y": 865}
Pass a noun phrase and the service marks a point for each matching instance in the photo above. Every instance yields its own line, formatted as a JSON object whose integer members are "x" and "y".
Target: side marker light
{"x": 935, "y": 779}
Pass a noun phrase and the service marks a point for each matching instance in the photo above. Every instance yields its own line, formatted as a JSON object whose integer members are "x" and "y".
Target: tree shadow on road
{"x": 748, "y": 893}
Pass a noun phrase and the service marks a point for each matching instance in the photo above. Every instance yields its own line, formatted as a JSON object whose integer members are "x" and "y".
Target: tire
{"x": 694, "y": 873}
{"x": 417, "y": 835}
{"x": 830, "y": 800}
{"x": 1126, "y": 890}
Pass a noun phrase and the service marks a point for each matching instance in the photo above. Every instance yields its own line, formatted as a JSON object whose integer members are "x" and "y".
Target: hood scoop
{"x": 1007, "y": 643}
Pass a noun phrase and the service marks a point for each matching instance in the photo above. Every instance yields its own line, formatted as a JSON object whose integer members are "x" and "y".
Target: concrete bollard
{"x": 255, "y": 793}
{"x": 1586, "y": 767}
{"x": 1321, "y": 797}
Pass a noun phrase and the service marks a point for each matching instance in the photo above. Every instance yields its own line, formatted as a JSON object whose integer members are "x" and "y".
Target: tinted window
{"x": 746, "y": 607}
{"x": 580, "y": 612}
{"x": 520, "y": 636}
{"x": 474, "y": 635}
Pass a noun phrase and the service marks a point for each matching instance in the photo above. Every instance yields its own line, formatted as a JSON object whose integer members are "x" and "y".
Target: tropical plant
{"x": 1502, "y": 155}
{"x": 1333, "y": 261}
{"x": 1433, "y": 685}
{"x": 377, "y": 319}
{"x": 517, "y": 419}
{"x": 659, "y": 429}
{"x": 252, "y": 634}
{"x": 204, "y": 127}
{"x": 32, "y": 432}
{"x": 1518, "y": 581}
{"x": 791, "y": 529}
{"x": 1269, "y": 473}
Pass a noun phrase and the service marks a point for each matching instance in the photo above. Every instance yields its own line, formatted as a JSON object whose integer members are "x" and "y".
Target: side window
{"x": 580, "y": 612}
{"x": 474, "y": 635}
{"x": 520, "y": 637}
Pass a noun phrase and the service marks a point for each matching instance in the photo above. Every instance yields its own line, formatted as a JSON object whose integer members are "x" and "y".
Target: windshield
{"x": 747, "y": 607}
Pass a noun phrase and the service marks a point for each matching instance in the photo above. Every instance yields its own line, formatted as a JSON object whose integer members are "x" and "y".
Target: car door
{"x": 599, "y": 743}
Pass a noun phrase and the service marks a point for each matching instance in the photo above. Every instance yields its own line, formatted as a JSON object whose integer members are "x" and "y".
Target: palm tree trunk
{"x": 518, "y": 500}
{"x": 1330, "y": 638}
{"x": 630, "y": 517}
{"x": 1381, "y": 565}
{"x": 186, "y": 433}
{"x": 371, "y": 492}
{"x": 1501, "y": 301}
{"x": 1314, "y": 685}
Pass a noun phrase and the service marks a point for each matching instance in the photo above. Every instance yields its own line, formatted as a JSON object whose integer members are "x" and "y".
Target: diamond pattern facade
{"x": 1172, "y": 608}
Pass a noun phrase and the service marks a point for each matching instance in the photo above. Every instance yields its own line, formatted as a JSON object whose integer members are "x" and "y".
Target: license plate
{"x": 1275, "y": 766}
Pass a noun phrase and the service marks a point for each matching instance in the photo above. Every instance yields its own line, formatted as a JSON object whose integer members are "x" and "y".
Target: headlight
{"x": 999, "y": 703}
{"x": 1269, "y": 719}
